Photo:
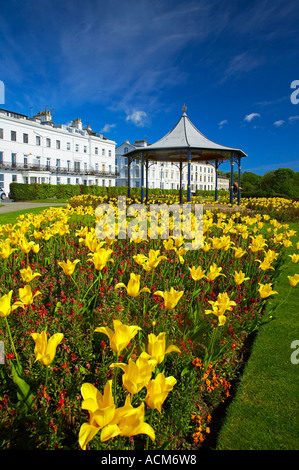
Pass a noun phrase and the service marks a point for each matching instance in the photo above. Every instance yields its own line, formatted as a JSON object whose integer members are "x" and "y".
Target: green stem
{"x": 12, "y": 343}
{"x": 115, "y": 377}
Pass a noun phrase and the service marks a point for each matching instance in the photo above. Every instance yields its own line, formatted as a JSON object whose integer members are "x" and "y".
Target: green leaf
{"x": 24, "y": 394}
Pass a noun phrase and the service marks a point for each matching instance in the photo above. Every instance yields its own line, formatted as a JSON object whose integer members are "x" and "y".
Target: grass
{"x": 264, "y": 413}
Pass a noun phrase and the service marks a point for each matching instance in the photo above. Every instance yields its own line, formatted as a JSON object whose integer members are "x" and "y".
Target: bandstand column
{"x": 129, "y": 177}
{"x": 239, "y": 181}
{"x": 146, "y": 181}
{"x": 142, "y": 178}
{"x": 216, "y": 180}
{"x": 189, "y": 177}
{"x": 232, "y": 180}
{"x": 181, "y": 183}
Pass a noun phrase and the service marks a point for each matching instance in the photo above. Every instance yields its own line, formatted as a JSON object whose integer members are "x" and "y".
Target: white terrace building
{"x": 35, "y": 150}
{"x": 163, "y": 175}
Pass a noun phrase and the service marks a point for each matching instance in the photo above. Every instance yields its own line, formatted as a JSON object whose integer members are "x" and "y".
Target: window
{"x": 25, "y": 162}
{"x": 48, "y": 142}
{"x": 96, "y": 150}
{"x": 25, "y": 138}
{"x": 126, "y": 150}
{"x": 14, "y": 178}
{"x": 58, "y": 180}
{"x": 103, "y": 167}
{"x": 1, "y": 181}
{"x": 13, "y": 159}
{"x": 85, "y": 148}
{"x": 37, "y": 140}
{"x": 1, "y": 133}
{"x": 77, "y": 147}
{"x": 77, "y": 166}
{"x": 103, "y": 152}
{"x": 77, "y": 180}
{"x": 58, "y": 144}
{"x": 68, "y": 164}
{"x": 13, "y": 136}
{"x": 68, "y": 146}
{"x": 1, "y": 157}
{"x": 110, "y": 169}
{"x": 97, "y": 167}
{"x": 68, "y": 180}
{"x": 85, "y": 167}
{"x": 109, "y": 153}
{"x": 48, "y": 164}
{"x": 103, "y": 182}
{"x": 57, "y": 163}
{"x": 110, "y": 183}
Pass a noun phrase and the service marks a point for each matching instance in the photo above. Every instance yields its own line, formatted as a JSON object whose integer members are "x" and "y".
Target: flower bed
{"x": 127, "y": 343}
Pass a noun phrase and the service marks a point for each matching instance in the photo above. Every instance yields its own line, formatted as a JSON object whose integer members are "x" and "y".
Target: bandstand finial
{"x": 184, "y": 108}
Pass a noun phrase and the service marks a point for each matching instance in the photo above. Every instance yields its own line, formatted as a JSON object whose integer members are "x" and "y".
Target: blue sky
{"x": 126, "y": 68}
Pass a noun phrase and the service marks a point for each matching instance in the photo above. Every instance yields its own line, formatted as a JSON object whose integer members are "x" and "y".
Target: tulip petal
{"x": 86, "y": 434}
{"x": 109, "y": 431}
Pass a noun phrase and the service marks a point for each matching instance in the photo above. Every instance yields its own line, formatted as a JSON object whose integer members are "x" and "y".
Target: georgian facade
{"x": 161, "y": 175}
{"x": 36, "y": 150}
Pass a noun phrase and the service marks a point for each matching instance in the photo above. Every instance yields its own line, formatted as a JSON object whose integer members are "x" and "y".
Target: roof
{"x": 184, "y": 136}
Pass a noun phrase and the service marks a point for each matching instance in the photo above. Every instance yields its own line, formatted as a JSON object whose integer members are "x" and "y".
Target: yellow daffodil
{"x": 28, "y": 275}
{"x": 68, "y": 266}
{"x": 5, "y": 305}
{"x": 294, "y": 258}
{"x": 293, "y": 280}
{"x": 101, "y": 410}
{"x": 239, "y": 277}
{"x": 197, "y": 273}
{"x": 171, "y": 298}
{"x": 26, "y": 297}
{"x": 137, "y": 374}
{"x": 157, "y": 391}
{"x": 214, "y": 272}
{"x": 100, "y": 258}
{"x": 265, "y": 290}
{"x": 121, "y": 336}
{"x": 133, "y": 287}
{"x": 45, "y": 349}
{"x": 157, "y": 347}
{"x": 128, "y": 421}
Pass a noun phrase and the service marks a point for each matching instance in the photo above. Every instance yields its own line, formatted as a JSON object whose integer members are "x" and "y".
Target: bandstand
{"x": 184, "y": 144}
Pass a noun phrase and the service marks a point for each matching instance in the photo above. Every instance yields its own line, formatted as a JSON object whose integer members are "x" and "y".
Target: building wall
{"x": 162, "y": 175}
{"x": 36, "y": 150}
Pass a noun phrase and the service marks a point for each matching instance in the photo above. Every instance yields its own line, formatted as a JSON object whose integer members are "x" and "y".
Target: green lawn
{"x": 264, "y": 415}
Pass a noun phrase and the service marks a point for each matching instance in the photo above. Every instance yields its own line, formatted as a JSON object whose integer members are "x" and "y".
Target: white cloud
{"x": 221, "y": 123}
{"x": 107, "y": 128}
{"x": 251, "y": 116}
{"x": 279, "y": 123}
{"x": 137, "y": 117}
{"x": 293, "y": 118}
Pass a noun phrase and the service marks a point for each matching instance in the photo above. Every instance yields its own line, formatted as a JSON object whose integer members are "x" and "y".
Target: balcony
{"x": 25, "y": 167}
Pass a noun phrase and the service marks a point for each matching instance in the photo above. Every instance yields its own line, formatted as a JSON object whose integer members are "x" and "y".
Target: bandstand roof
{"x": 184, "y": 136}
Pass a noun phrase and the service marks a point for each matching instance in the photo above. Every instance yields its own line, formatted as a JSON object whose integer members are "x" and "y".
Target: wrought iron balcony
{"x": 25, "y": 167}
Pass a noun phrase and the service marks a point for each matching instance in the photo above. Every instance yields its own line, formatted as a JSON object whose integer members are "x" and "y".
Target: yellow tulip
{"x": 26, "y": 296}
{"x": 157, "y": 347}
{"x": 100, "y": 258}
{"x": 6, "y": 250}
{"x": 157, "y": 391}
{"x": 133, "y": 287}
{"x": 294, "y": 258}
{"x": 197, "y": 273}
{"x": 214, "y": 272}
{"x": 28, "y": 275}
{"x": 293, "y": 280}
{"x": 265, "y": 264}
{"x": 68, "y": 266}
{"x": 220, "y": 306}
{"x": 25, "y": 245}
{"x": 265, "y": 290}
{"x": 137, "y": 374}
{"x": 239, "y": 252}
{"x": 239, "y": 277}
{"x": 171, "y": 298}
{"x": 45, "y": 349}
{"x": 128, "y": 421}
{"x": 101, "y": 410}
{"x": 5, "y": 305}
{"x": 121, "y": 336}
